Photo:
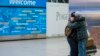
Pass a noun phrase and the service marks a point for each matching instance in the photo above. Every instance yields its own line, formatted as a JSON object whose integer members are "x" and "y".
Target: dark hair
{"x": 73, "y": 14}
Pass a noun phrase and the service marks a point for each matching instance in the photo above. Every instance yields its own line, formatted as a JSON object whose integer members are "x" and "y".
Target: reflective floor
{"x": 41, "y": 47}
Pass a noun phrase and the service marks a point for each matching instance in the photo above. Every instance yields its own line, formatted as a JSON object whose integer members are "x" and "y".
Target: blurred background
{"x": 43, "y": 25}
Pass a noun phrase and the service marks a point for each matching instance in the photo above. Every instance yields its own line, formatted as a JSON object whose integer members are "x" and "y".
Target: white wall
{"x": 57, "y": 16}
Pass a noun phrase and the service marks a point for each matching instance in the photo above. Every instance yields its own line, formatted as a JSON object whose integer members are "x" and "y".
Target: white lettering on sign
{"x": 22, "y": 2}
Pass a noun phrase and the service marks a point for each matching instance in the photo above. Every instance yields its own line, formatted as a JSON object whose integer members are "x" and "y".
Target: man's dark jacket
{"x": 80, "y": 26}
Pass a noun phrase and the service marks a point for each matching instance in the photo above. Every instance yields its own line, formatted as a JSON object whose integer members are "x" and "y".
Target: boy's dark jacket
{"x": 80, "y": 27}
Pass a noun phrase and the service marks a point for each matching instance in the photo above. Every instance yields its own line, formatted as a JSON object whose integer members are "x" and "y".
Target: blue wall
{"x": 22, "y": 18}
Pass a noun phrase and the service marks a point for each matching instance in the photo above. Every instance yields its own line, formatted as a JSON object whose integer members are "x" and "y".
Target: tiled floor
{"x": 43, "y": 47}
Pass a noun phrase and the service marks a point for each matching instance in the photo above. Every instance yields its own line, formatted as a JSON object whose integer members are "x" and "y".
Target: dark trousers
{"x": 73, "y": 43}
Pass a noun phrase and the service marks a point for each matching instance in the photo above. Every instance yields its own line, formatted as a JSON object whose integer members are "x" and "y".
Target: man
{"x": 77, "y": 23}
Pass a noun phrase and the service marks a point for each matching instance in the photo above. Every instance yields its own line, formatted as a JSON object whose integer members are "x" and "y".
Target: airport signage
{"x": 16, "y": 21}
{"x": 34, "y": 3}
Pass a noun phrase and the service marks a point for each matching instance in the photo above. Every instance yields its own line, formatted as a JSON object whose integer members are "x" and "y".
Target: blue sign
{"x": 22, "y": 21}
{"x": 33, "y": 3}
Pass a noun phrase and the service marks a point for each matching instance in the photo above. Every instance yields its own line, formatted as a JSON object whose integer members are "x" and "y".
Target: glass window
{"x": 53, "y": 0}
{"x": 66, "y": 1}
{"x": 49, "y": 0}
{"x": 60, "y": 1}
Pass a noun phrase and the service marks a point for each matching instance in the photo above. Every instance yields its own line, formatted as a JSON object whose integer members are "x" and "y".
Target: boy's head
{"x": 75, "y": 14}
